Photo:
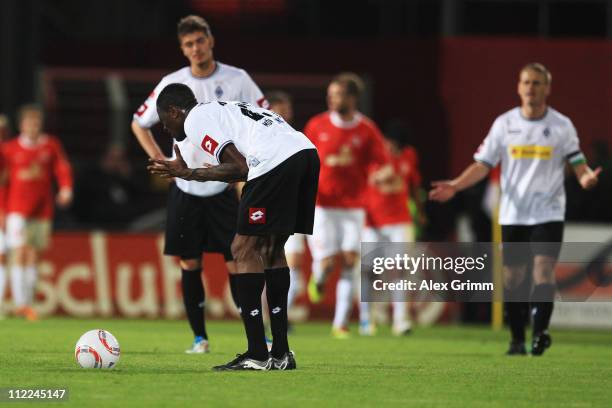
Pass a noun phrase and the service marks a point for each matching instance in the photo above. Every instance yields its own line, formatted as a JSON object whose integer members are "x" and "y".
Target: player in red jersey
{"x": 31, "y": 162}
{"x": 388, "y": 220}
{"x": 350, "y": 146}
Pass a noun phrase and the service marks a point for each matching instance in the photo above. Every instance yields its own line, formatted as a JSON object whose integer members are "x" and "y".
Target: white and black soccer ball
{"x": 97, "y": 349}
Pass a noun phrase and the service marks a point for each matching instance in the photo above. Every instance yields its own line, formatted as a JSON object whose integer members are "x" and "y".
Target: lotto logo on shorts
{"x": 209, "y": 144}
{"x": 257, "y": 215}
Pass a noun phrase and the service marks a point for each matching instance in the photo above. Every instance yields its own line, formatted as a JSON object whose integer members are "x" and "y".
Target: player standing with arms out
{"x": 30, "y": 164}
{"x": 533, "y": 142}
{"x": 388, "y": 220}
{"x": 280, "y": 102}
{"x": 281, "y": 169}
{"x": 201, "y": 217}
{"x": 351, "y": 147}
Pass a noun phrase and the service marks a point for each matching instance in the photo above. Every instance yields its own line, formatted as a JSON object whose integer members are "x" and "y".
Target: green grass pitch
{"x": 434, "y": 367}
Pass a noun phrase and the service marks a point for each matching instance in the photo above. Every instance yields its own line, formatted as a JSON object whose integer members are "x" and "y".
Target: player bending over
{"x": 239, "y": 141}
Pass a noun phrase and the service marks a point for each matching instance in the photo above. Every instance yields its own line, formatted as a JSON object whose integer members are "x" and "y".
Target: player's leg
{"x": 250, "y": 282}
{"x": 38, "y": 236}
{"x": 277, "y": 278}
{"x": 324, "y": 244}
{"x": 194, "y": 299}
{"x": 184, "y": 239}
{"x": 16, "y": 235}
{"x": 402, "y": 325}
{"x": 294, "y": 252}
{"x": 367, "y": 325}
{"x": 546, "y": 245}
{"x": 516, "y": 254}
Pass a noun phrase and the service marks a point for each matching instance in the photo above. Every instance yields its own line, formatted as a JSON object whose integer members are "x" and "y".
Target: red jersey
{"x": 30, "y": 170}
{"x": 387, "y": 204}
{"x": 348, "y": 152}
{"x": 408, "y": 162}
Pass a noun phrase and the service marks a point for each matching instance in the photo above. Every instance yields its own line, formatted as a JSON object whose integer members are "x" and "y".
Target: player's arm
{"x": 63, "y": 174}
{"x": 232, "y": 167}
{"x": 444, "y": 190}
{"x": 486, "y": 157}
{"x": 147, "y": 141}
{"x": 586, "y": 177}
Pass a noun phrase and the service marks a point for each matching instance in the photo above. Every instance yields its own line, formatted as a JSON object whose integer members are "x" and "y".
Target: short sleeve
{"x": 146, "y": 115}
{"x": 250, "y": 93}
{"x": 570, "y": 149}
{"x": 490, "y": 150}
{"x": 202, "y": 130}
{"x": 378, "y": 153}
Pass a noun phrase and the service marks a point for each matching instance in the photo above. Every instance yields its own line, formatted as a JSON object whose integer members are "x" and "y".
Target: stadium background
{"x": 444, "y": 68}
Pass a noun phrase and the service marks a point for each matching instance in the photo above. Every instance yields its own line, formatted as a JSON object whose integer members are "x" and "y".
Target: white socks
{"x": 294, "y": 286}
{"x": 344, "y": 298}
{"x": 18, "y": 286}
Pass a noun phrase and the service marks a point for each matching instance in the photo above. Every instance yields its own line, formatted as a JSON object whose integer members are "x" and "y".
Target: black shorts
{"x": 540, "y": 239}
{"x": 281, "y": 201}
{"x": 200, "y": 224}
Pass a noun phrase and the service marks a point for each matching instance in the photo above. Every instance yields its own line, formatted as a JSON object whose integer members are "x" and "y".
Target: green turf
{"x": 434, "y": 367}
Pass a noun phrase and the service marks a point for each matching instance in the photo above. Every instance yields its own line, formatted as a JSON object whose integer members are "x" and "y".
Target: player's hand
{"x": 64, "y": 197}
{"x": 590, "y": 178}
{"x": 170, "y": 168}
{"x": 442, "y": 191}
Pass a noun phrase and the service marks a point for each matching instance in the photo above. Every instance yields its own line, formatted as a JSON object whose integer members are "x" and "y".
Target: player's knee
{"x": 349, "y": 259}
{"x": 328, "y": 264}
{"x": 544, "y": 269}
{"x": 244, "y": 247}
{"x": 514, "y": 276}
{"x": 190, "y": 264}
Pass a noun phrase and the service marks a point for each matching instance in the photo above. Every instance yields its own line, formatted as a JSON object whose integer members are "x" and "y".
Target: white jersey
{"x": 225, "y": 83}
{"x": 533, "y": 155}
{"x": 260, "y": 135}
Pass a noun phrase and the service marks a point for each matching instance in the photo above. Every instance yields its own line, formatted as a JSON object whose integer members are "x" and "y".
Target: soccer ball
{"x": 97, "y": 349}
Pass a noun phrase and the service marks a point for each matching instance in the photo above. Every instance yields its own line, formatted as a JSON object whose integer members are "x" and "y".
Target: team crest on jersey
{"x": 356, "y": 140}
{"x": 218, "y": 91}
{"x": 324, "y": 137}
{"x": 546, "y": 132}
{"x": 257, "y": 215}
{"x": 209, "y": 144}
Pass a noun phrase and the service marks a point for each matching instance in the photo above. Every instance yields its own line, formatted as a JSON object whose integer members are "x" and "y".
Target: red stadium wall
{"x": 126, "y": 275}
{"x": 478, "y": 80}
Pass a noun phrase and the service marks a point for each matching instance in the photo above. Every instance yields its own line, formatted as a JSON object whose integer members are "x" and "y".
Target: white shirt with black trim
{"x": 533, "y": 154}
{"x": 225, "y": 83}
{"x": 261, "y": 136}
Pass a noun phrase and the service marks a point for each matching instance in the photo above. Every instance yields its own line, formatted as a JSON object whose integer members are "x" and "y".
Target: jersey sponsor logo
{"x": 257, "y": 215}
{"x": 143, "y": 108}
{"x": 209, "y": 144}
{"x": 514, "y": 131}
{"x": 530, "y": 152}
